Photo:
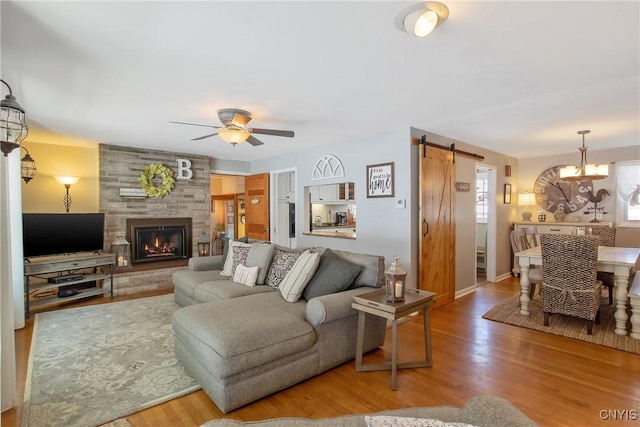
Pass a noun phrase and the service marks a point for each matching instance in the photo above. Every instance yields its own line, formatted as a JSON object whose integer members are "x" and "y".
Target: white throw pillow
{"x": 227, "y": 270}
{"x": 293, "y": 284}
{"x": 391, "y": 421}
{"x": 246, "y": 275}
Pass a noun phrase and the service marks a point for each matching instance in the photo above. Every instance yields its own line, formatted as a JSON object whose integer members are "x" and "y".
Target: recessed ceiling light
{"x": 422, "y": 18}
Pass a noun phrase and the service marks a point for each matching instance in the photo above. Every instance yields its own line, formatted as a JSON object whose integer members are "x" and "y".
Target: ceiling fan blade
{"x": 195, "y": 124}
{"x": 274, "y": 132}
{"x": 254, "y": 141}
{"x": 203, "y": 137}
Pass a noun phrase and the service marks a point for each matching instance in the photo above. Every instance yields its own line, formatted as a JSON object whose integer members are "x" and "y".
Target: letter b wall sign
{"x": 184, "y": 169}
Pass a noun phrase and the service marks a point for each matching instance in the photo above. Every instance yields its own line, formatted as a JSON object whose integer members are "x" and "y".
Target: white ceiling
{"x": 520, "y": 78}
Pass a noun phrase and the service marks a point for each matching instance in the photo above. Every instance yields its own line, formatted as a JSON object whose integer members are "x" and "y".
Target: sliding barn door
{"x": 437, "y": 245}
{"x": 256, "y": 193}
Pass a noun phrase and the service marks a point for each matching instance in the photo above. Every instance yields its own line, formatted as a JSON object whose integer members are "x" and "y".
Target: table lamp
{"x": 526, "y": 200}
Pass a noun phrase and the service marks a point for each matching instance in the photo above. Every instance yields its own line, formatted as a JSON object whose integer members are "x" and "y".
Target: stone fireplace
{"x": 159, "y": 239}
{"x": 120, "y": 167}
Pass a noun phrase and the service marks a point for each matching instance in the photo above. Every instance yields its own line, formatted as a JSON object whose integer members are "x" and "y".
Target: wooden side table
{"x": 375, "y": 303}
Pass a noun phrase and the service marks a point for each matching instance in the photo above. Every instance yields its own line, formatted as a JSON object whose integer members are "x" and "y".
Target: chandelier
{"x": 585, "y": 170}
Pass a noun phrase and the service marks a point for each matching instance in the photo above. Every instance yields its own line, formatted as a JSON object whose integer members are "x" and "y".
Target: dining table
{"x": 617, "y": 260}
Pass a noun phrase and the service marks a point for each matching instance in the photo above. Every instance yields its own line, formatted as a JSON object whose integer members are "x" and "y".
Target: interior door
{"x": 437, "y": 249}
{"x": 256, "y": 191}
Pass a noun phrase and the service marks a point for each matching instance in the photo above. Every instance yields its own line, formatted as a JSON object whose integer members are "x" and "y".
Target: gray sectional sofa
{"x": 242, "y": 343}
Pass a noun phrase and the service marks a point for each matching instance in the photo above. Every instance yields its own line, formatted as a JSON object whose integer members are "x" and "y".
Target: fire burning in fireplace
{"x": 159, "y": 239}
{"x": 158, "y": 248}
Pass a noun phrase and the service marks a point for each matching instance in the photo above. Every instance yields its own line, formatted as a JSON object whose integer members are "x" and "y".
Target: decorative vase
{"x": 559, "y": 214}
{"x": 542, "y": 217}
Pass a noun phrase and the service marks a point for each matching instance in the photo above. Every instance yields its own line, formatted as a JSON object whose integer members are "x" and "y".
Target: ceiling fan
{"x": 235, "y": 131}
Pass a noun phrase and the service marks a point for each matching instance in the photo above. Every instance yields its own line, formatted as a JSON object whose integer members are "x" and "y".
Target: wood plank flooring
{"x": 555, "y": 381}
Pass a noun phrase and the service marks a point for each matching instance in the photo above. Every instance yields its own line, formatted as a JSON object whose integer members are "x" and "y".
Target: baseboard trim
{"x": 502, "y": 277}
{"x": 465, "y": 291}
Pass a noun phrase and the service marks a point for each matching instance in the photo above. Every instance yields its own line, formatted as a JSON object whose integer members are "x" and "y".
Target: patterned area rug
{"x": 91, "y": 365}
{"x": 509, "y": 312}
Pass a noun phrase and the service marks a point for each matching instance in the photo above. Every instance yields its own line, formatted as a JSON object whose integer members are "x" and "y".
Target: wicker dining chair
{"x": 519, "y": 243}
{"x": 569, "y": 285}
{"x": 606, "y": 237}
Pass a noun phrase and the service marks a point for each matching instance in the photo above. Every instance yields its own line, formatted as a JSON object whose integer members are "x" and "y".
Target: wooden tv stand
{"x": 69, "y": 270}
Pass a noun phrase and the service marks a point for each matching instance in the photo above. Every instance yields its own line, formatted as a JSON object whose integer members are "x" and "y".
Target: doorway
{"x": 284, "y": 209}
{"x": 485, "y": 224}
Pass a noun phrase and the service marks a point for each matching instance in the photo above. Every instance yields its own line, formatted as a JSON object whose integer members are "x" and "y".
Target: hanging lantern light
{"x": 13, "y": 125}
{"x": 27, "y": 166}
{"x": 395, "y": 278}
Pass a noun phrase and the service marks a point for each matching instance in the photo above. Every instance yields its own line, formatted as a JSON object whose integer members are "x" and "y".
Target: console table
{"x": 67, "y": 270}
{"x": 375, "y": 303}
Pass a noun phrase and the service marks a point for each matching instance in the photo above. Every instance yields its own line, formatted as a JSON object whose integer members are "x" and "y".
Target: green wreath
{"x": 149, "y": 173}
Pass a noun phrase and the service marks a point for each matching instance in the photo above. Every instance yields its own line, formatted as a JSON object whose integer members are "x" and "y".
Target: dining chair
{"x": 531, "y": 237}
{"x": 606, "y": 237}
{"x": 569, "y": 285}
{"x": 519, "y": 243}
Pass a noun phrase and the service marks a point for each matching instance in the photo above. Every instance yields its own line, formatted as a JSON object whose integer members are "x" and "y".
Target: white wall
{"x": 465, "y": 225}
{"x": 381, "y": 228}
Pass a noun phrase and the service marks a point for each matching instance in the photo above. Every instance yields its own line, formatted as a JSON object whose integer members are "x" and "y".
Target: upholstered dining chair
{"x": 569, "y": 284}
{"x": 519, "y": 243}
{"x": 606, "y": 237}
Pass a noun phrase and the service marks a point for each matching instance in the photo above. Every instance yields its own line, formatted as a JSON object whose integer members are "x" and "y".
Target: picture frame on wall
{"x": 507, "y": 194}
{"x": 380, "y": 180}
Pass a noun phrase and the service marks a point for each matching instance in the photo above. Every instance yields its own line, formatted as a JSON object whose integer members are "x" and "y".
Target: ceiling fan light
{"x": 421, "y": 24}
{"x": 234, "y": 136}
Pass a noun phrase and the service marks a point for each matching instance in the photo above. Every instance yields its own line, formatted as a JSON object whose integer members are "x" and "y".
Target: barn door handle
{"x": 425, "y": 226}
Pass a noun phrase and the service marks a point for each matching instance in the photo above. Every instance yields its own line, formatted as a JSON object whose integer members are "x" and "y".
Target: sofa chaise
{"x": 242, "y": 341}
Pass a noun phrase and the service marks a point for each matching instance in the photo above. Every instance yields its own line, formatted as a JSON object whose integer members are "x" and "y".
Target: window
{"x": 482, "y": 196}
{"x": 628, "y": 189}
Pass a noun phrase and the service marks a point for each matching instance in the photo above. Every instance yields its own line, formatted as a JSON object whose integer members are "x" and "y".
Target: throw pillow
{"x": 239, "y": 257}
{"x": 246, "y": 275}
{"x": 227, "y": 245}
{"x": 391, "y": 421}
{"x": 227, "y": 269}
{"x": 293, "y": 284}
{"x": 280, "y": 265}
{"x": 260, "y": 255}
{"x": 334, "y": 274}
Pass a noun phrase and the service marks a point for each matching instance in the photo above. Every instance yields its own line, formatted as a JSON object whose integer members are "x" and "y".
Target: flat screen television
{"x": 64, "y": 233}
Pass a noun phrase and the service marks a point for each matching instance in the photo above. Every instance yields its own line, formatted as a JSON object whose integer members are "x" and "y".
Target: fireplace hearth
{"x": 159, "y": 239}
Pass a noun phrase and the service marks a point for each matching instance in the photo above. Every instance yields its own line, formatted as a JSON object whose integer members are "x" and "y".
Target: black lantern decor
{"x": 204, "y": 244}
